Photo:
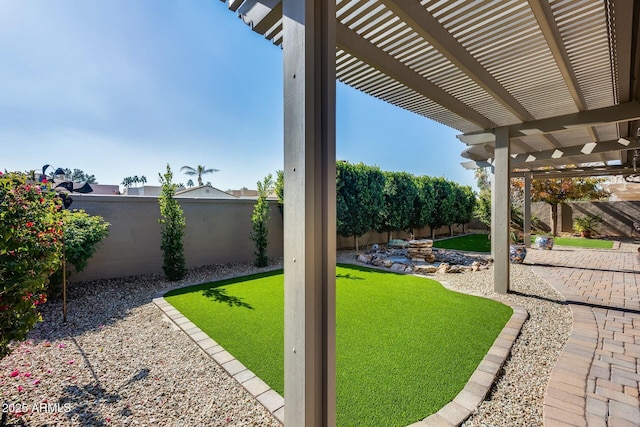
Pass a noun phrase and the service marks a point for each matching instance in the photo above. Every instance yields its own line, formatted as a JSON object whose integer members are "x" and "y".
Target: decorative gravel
{"x": 117, "y": 361}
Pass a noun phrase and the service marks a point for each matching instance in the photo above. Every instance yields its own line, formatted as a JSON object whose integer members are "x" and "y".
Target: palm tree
{"x": 127, "y": 182}
{"x": 198, "y": 171}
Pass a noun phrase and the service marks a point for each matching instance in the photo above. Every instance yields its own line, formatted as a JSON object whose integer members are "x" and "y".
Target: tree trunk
{"x": 450, "y": 230}
{"x": 388, "y": 236}
{"x": 355, "y": 242}
{"x": 554, "y": 219}
{"x": 433, "y": 233}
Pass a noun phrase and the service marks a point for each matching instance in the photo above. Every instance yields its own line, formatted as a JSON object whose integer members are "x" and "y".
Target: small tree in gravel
{"x": 82, "y": 234}
{"x": 173, "y": 224}
{"x": 259, "y": 220}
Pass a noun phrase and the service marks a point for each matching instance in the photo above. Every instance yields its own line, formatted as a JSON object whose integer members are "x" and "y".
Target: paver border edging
{"x": 269, "y": 398}
{"x": 452, "y": 414}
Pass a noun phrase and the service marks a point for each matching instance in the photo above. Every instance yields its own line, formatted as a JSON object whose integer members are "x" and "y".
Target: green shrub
{"x": 587, "y": 223}
{"x": 279, "y": 188}
{"x": 259, "y": 220}
{"x": 82, "y": 233}
{"x": 173, "y": 224}
{"x": 30, "y": 248}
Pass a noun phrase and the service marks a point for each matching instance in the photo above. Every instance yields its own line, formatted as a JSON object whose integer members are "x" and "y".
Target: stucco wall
{"x": 217, "y": 231}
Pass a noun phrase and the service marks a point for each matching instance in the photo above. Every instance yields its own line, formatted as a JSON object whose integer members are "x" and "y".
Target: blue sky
{"x": 121, "y": 88}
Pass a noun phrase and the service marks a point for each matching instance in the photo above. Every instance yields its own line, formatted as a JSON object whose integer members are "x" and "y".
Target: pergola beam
{"x": 260, "y": 15}
{"x": 429, "y": 28}
{"x": 544, "y": 15}
{"x": 596, "y": 171}
{"x": 626, "y": 112}
{"x": 564, "y": 153}
{"x": 541, "y": 158}
{"x": 367, "y": 52}
{"x": 623, "y": 10}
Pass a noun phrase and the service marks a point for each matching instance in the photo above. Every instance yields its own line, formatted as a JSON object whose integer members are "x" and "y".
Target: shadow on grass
{"x": 220, "y": 295}
{"x": 217, "y": 292}
{"x": 210, "y": 286}
{"x": 348, "y": 276}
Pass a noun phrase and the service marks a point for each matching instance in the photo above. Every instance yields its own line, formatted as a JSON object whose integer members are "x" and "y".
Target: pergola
{"x": 537, "y": 88}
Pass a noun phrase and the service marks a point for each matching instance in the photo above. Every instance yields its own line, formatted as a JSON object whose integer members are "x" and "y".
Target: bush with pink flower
{"x": 30, "y": 250}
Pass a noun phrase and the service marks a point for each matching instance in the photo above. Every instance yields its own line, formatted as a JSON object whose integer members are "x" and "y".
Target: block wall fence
{"x": 618, "y": 217}
{"x": 218, "y": 231}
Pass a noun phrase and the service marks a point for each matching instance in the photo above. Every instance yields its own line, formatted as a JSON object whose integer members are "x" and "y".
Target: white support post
{"x": 309, "y": 49}
{"x": 527, "y": 209}
{"x": 493, "y": 209}
{"x": 501, "y": 212}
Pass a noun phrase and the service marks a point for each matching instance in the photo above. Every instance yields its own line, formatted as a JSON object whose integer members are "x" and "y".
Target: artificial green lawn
{"x": 481, "y": 243}
{"x": 405, "y": 345}
{"x": 580, "y": 242}
{"x": 470, "y": 242}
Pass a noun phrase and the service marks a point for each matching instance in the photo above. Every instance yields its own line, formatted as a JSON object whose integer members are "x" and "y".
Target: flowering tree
{"x": 557, "y": 191}
{"x": 30, "y": 249}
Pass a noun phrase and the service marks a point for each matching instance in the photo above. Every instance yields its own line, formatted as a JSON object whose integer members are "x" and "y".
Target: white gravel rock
{"x": 116, "y": 362}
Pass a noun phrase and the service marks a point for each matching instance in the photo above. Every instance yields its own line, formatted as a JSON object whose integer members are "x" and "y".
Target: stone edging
{"x": 452, "y": 414}
{"x": 269, "y": 398}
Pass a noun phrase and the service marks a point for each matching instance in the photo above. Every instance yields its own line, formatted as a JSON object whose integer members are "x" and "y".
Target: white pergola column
{"x": 527, "y": 210}
{"x": 501, "y": 212}
{"x": 309, "y": 49}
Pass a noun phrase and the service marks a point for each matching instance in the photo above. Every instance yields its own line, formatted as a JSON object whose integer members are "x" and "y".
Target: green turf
{"x": 481, "y": 243}
{"x": 405, "y": 345}
{"x": 580, "y": 242}
{"x": 470, "y": 242}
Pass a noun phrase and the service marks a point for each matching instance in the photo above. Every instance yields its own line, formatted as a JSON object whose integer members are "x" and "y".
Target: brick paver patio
{"x": 596, "y": 380}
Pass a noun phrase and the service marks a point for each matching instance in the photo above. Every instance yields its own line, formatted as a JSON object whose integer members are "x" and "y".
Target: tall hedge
{"x": 464, "y": 205}
{"x": 399, "y": 195}
{"x": 424, "y": 204}
{"x": 444, "y": 210}
{"x": 360, "y": 201}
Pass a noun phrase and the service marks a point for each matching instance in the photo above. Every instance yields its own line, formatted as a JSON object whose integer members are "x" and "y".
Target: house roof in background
{"x": 204, "y": 191}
